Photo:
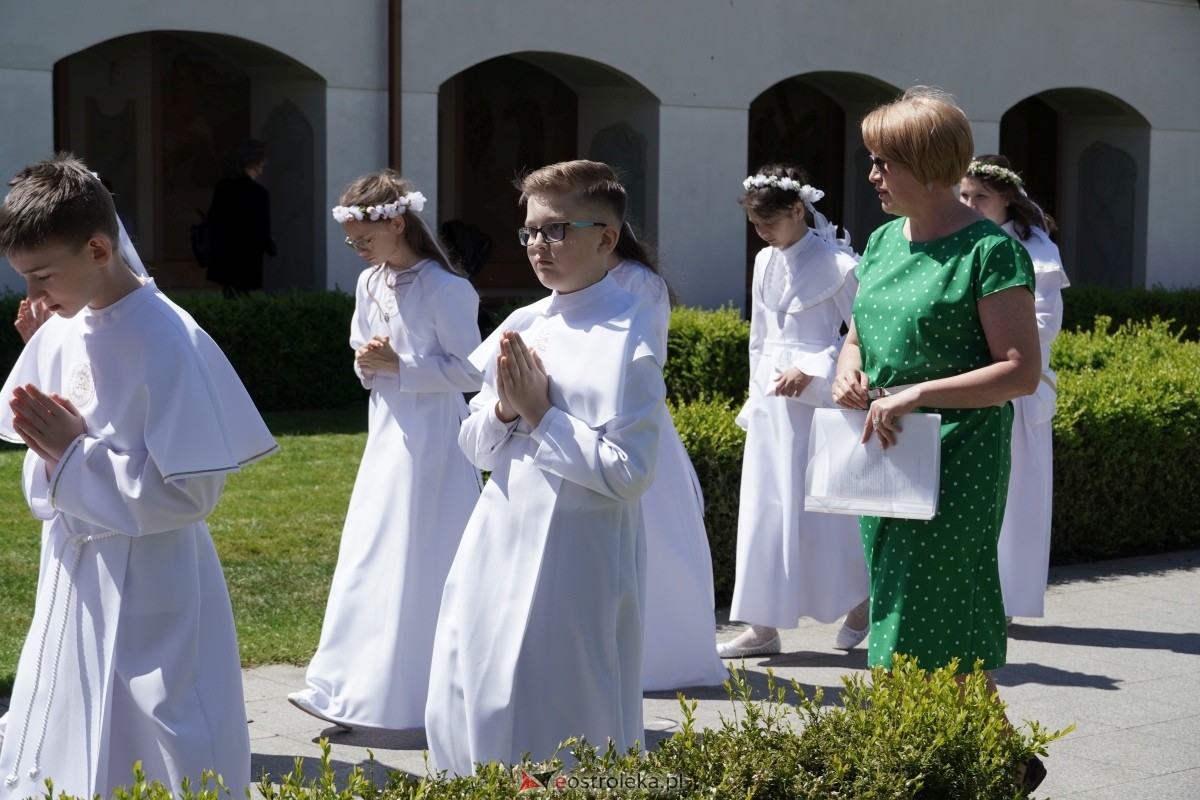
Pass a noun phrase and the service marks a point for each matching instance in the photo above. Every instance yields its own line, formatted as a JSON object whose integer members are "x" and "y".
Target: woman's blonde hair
{"x": 924, "y": 130}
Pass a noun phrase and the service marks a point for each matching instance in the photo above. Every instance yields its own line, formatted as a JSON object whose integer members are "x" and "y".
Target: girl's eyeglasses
{"x": 358, "y": 245}
{"x": 552, "y": 231}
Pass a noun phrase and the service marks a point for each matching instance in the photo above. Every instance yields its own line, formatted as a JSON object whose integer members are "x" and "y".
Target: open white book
{"x": 845, "y": 476}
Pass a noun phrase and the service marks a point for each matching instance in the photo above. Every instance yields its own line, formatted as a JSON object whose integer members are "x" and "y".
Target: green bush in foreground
{"x": 896, "y": 735}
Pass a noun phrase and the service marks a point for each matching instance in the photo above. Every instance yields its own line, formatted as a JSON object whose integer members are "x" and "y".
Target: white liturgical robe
{"x": 1024, "y": 547}
{"x": 413, "y": 495}
{"x": 791, "y": 562}
{"x": 680, "y": 620}
{"x": 132, "y": 653}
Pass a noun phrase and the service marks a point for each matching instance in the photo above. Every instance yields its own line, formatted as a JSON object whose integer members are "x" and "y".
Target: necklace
{"x": 393, "y": 280}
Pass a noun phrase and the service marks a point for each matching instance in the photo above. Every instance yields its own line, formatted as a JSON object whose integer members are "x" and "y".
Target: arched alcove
{"x": 813, "y": 120}
{"x": 156, "y": 112}
{"x": 1084, "y": 157}
{"x": 515, "y": 113}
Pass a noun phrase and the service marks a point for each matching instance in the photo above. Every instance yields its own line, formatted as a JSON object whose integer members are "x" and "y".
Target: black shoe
{"x": 1035, "y": 773}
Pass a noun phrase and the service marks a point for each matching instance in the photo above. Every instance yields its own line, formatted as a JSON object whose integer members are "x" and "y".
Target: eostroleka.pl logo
{"x": 598, "y": 782}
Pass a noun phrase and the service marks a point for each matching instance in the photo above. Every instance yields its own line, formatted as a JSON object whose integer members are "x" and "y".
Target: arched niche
{"x": 1084, "y": 157}
{"x": 515, "y": 113}
{"x": 813, "y": 120}
{"x": 156, "y": 112}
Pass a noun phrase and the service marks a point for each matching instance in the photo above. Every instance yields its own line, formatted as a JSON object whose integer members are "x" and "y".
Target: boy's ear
{"x": 608, "y": 239}
{"x": 100, "y": 248}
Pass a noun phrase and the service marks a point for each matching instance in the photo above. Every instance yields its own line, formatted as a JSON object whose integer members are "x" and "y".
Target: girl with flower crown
{"x": 414, "y": 326}
{"x": 992, "y": 188}
{"x": 792, "y": 563}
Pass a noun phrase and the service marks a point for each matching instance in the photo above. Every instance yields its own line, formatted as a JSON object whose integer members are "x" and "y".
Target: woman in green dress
{"x": 944, "y": 322}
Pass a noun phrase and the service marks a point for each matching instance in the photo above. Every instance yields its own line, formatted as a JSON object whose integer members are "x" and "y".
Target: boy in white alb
{"x": 539, "y": 636}
{"x": 133, "y": 417}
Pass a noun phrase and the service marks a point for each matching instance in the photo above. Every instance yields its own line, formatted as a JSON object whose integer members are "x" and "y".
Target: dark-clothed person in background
{"x": 239, "y": 220}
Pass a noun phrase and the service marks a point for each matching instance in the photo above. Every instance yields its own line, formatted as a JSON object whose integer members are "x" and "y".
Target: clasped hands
{"x": 851, "y": 389}
{"x": 377, "y": 355}
{"x": 30, "y": 316}
{"x": 47, "y": 423}
{"x": 522, "y": 385}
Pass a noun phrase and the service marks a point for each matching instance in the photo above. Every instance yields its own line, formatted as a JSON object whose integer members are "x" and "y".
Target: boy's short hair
{"x": 55, "y": 201}
{"x": 592, "y": 182}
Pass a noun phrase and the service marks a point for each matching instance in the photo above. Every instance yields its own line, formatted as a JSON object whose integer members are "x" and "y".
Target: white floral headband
{"x": 978, "y": 169}
{"x": 413, "y": 200}
{"x": 807, "y": 193}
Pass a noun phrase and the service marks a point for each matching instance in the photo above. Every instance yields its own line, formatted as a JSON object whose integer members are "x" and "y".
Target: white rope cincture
{"x": 77, "y": 544}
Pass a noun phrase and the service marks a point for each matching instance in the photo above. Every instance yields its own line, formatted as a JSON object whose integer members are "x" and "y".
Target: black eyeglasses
{"x": 552, "y": 231}
{"x": 877, "y": 162}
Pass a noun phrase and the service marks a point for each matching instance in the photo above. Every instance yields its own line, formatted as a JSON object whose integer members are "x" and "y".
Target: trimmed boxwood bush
{"x": 715, "y": 444}
{"x": 292, "y": 350}
{"x": 896, "y": 735}
{"x": 707, "y": 355}
{"x": 1082, "y": 304}
{"x": 1126, "y": 466}
{"x": 1126, "y": 472}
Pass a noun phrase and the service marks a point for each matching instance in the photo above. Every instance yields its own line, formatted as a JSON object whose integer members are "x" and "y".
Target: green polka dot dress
{"x": 935, "y": 586}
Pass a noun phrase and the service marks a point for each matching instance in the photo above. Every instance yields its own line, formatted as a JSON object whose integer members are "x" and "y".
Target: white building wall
{"x": 358, "y": 128}
{"x": 1171, "y": 256}
{"x": 704, "y": 60}
{"x": 717, "y": 57}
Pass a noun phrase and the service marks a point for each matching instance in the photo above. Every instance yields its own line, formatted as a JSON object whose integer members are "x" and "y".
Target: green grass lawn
{"x": 276, "y": 529}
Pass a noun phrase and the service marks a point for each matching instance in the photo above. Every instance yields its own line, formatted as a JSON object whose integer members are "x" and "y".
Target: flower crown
{"x": 995, "y": 172}
{"x": 807, "y": 193}
{"x": 413, "y": 200}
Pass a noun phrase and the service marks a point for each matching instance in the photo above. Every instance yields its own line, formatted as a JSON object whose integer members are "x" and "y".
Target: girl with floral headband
{"x": 992, "y": 188}
{"x": 792, "y": 563}
{"x": 414, "y": 326}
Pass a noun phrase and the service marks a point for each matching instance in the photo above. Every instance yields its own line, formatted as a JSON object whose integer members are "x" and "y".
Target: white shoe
{"x": 848, "y": 638}
{"x": 300, "y": 701}
{"x": 752, "y": 647}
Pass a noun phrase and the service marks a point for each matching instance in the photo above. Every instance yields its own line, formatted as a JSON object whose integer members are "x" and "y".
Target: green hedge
{"x": 707, "y": 355}
{"x": 715, "y": 444}
{"x": 291, "y": 349}
{"x": 1126, "y": 472}
{"x": 1082, "y": 304}
{"x": 1126, "y": 465}
{"x": 1126, "y": 468}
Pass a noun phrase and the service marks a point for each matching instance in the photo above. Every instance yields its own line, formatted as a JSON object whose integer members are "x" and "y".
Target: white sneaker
{"x": 300, "y": 701}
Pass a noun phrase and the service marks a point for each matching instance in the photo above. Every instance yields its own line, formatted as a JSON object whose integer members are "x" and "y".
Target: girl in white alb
{"x": 680, "y": 620}
{"x": 414, "y": 326}
{"x": 993, "y": 189}
{"x": 792, "y": 563}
